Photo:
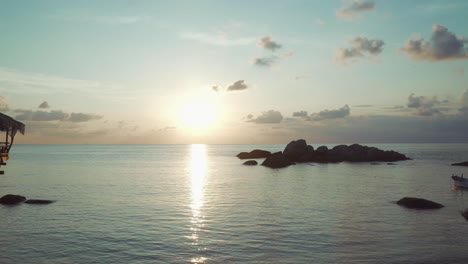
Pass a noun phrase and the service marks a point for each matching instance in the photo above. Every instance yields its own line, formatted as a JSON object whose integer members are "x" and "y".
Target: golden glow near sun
{"x": 199, "y": 114}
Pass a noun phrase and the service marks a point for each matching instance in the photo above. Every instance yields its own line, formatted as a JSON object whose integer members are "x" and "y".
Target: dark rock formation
{"x": 254, "y": 154}
{"x": 299, "y": 151}
{"x": 11, "y": 199}
{"x": 250, "y": 162}
{"x": 277, "y": 160}
{"x": 461, "y": 164}
{"x": 37, "y": 201}
{"x": 418, "y": 203}
{"x": 465, "y": 214}
{"x": 296, "y": 149}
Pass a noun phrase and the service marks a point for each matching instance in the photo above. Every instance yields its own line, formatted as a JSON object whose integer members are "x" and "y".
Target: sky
{"x": 235, "y": 72}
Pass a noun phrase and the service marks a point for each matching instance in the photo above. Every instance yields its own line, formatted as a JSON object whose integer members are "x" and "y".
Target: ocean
{"x": 198, "y": 204}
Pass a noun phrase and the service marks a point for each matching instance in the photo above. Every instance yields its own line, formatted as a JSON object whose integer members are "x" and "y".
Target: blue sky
{"x": 144, "y": 71}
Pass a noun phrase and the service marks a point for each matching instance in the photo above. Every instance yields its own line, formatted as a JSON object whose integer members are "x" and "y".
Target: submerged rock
{"x": 461, "y": 164}
{"x": 254, "y": 154}
{"x": 38, "y": 201}
{"x": 418, "y": 203}
{"x": 277, "y": 160}
{"x": 250, "y": 163}
{"x": 11, "y": 199}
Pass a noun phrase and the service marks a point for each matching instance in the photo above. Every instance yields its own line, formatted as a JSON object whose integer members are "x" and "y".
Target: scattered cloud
{"x": 360, "y": 47}
{"x": 464, "y": 98}
{"x": 268, "y": 117}
{"x": 331, "y": 114}
{"x": 44, "y": 105}
{"x": 443, "y": 45}
{"x": 219, "y": 38}
{"x": 3, "y": 104}
{"x": 84, "y": 16}
{"x": 352, "y": 9}
{"x": 302, "y": 114}
{"x": 365, "y": 105}
{"x": 265, "y": 61}
{"x": 216, "y": 88}
{"x": 54, "y": 115}
{"x": 269, "y": 44}
{"x": 81, "y": 117}
{"x": 240, "y": 85}
{"x": 426, "y": 106}
{"x": 18, "y": 82}
{"x": 29, "y": 115}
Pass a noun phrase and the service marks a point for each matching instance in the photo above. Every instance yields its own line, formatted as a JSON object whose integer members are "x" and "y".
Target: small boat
{"x": 460, "y": 181}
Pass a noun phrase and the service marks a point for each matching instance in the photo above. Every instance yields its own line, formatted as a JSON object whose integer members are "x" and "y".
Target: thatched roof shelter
{"x": 11, "y": 127}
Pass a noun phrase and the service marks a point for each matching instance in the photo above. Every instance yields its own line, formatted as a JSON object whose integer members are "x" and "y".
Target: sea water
{"x": 198, "y": 204}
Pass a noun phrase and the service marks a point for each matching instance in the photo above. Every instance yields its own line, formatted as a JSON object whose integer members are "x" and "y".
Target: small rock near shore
{"x": 250, "y": 163}
{"x": 11, "y": 199}
{"x": 418, "y": 203}
{"x": 38, "y": 201}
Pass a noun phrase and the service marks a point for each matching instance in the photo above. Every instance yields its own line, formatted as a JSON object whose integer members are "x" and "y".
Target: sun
{"x": 199, "y": 114}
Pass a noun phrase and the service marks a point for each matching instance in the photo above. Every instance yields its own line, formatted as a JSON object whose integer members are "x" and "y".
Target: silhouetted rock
{"x": 322, "y": 150}
{"x": 296, "y": 149}
{"x": 254, "y": 154}
{"x": 461, "y": 164}
{"x": 37, "y": 201}
{"x": 250, "y": 162}
{"x": 277, "y": 160}
{"x": 11, "y": 199}
{"x": 299, "y": 151}
{"x": 418, "y": 203}
{"x": 465, "y": 214}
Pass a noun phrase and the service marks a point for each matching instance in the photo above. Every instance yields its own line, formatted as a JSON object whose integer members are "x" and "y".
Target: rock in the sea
{"x": 277, "y": 160}
{"x": 254, "y": 154}
{"x": 11, "y": 199}
{"x": 465, "y": 214}
{"x": 461, "y": 164}
{"x": 250, "y": 163}
{"x": 296, "y": 149}
{"x": 38, "y": 201}
{"x": 418, "y": 203}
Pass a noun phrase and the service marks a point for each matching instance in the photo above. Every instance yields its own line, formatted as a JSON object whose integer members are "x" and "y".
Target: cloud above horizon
{"x": 268, "y": 117}
{"x": 268, "y": 44}
{"x": 3, "y": 104}
{"x": 331, "y": 114}
{"x": 360, "y": 47}
{"x": 443, "y": 45}
{"x": 352, "y": 9}
{"x": 239, "y": 85}
{"x": 265, "y": 61}
{"x": 54, "y": 115}
{"x": 425, "y": 106}
{"x": 43, "y": 105}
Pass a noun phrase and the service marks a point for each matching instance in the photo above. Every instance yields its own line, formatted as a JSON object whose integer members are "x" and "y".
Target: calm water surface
{"x": 198, "y": 204}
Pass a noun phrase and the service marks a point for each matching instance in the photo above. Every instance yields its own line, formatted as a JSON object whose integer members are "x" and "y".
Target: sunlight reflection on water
{"x": 198, "y": 174}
